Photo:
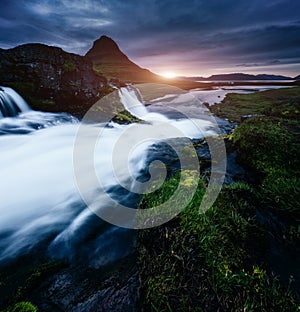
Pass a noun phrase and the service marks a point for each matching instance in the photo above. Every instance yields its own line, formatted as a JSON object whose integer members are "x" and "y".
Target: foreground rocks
{"x": 80, "y": 288}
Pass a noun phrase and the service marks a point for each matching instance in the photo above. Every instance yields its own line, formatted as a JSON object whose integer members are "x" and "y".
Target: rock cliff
{"x": 51, "y": 79}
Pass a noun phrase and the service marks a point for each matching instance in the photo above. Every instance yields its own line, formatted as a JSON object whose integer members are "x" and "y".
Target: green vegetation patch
{"x": 209, "y": 262}
{"x": 69, "y": 66}
{"x": 48, "y": 102}
{"x": 267, "y": 143}
{"x": 22, "y": 306}
{"x": 283, "y": 102}
{"x": 125, "y": 117}
{"x": 270, "y": 148}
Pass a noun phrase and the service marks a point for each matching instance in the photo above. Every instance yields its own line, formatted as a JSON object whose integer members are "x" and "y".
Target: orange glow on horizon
{"x": 169, "y": 75}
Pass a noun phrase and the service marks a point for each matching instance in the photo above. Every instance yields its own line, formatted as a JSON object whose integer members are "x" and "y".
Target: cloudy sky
{"x": 192, "y": 37}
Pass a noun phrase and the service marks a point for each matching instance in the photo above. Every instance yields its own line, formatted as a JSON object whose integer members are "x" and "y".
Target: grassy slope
{"x": 280, "y": 103}
{"x": 124, "y": 73}
{"x": 218, "y": 261}
{"x": 211, "y": 262}
{"x": 119, "y": 66}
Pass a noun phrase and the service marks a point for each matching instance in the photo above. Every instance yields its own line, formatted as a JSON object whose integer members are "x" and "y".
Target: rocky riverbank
{"x": 235, "y": 256}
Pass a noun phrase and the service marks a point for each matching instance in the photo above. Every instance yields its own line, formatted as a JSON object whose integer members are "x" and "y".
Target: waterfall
{"x": 40, "y": 201}
{"x": 132, "y": 102}
{"x": 188, "y": 126}
{"x": 11, "y": 103}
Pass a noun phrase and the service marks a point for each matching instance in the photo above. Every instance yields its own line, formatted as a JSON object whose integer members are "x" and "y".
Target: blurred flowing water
{"x": 41, "y": 206}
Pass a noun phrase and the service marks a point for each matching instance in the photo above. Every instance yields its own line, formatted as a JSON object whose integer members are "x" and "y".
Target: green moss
{"x": 22, "y": 307}
{"x": 73, "y": 84}
{"x": 20, "y": 278}
{"x": 48, "y": 102}
{"x": 96, "y": 70}
{"x": 69, "y": 66}
{"x": 109, "y": 107}
{"x": 125, "y": 117}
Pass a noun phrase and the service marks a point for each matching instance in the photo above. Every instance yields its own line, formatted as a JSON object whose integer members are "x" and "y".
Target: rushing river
{"x": 41, "y": 206}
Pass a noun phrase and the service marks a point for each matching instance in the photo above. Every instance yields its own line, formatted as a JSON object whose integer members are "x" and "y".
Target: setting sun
{"x": 169, "y": 75}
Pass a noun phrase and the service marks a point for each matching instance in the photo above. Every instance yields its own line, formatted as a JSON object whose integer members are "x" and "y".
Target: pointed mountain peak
{"x": 105, "y": 41}
{"x": 104, "y": 45}
{"x": 105, "y": 38}
{"x": 113, "y": 63}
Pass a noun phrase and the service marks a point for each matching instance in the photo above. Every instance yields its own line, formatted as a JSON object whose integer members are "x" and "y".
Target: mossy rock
{"x": 23, "y": 306}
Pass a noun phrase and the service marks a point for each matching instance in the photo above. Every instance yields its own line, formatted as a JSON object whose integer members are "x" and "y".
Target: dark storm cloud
{"x": 152, "y": 32}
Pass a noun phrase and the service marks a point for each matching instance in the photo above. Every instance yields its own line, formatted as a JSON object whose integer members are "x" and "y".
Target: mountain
{"x": 113, "y": 63}
{"x": 239, "y": 76}
{"x": 51, "y": 79}
{"x": 272, "y": 77}
{"x": 193, "y": 78}
{"x": 297, "y": 77}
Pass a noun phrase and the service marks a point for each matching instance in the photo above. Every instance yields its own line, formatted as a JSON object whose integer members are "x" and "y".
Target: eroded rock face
{"x": 50, "y": 78}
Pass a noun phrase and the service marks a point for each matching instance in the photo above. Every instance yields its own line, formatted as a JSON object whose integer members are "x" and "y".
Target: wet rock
{"x": 80, "y": 288}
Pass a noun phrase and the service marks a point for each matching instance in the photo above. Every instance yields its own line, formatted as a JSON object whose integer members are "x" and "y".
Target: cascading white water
{"x": 188, "y": 126}
{"x": 11, "y": 103}
{"x": 39, "y": 198}
{"x": 130, "y": 99}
